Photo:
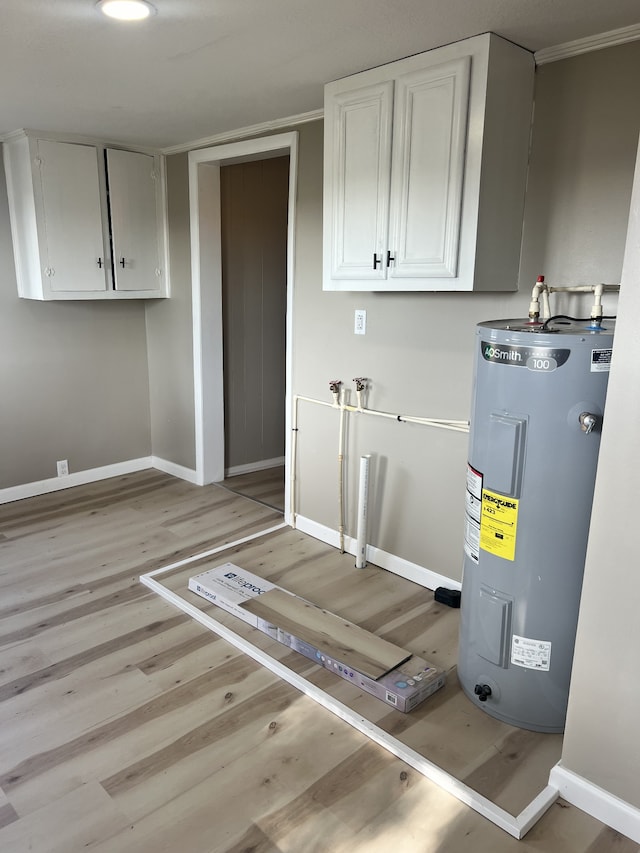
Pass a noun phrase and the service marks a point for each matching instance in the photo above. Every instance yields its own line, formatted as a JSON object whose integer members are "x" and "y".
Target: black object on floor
{"x": 451, "y": 597}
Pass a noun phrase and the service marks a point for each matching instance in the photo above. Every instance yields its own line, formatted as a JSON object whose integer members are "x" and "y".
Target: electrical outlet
{"x": 63, "y": 467}
{"x": 360, "y": 324}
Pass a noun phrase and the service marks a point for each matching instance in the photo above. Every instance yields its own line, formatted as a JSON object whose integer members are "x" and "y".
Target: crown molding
{"x": 586, "y": 45}
{"x": 78, "y": 138}
{"x": 244, "y": 132}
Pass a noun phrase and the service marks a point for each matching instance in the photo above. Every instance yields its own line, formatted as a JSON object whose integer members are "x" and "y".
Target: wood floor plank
{"x": 90, "y": 606}
{"x": 160, "y": 661}
{"x": 79, "y": 817}
{"x": 135, "y": 743}
{"x": 253, "y": 840}
{"x": 507, "y": 766}
{"x": 228, "y": 761}
{"x": 59, "y": 507}
{"x": 23, "y": 659}
{"x": 7, "y": 815}
{"x": 64, "y": 667}
{"x": 266, "y": 486}
{"x": 610, "y": 841}
{"x": 205, "y": 686}
{"x": 43, "y": 731}
{"x": 270, "y": 701}
{"x": 336, "y": 637}
{"x": 277, "y": 782}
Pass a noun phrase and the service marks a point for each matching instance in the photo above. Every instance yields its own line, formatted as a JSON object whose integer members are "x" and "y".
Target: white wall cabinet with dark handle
{"x": 425, "y": 163}
{"x": 87, "y": 220}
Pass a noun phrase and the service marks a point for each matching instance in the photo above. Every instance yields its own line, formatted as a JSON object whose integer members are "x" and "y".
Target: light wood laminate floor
{"x": 266, "y": 486}
{"x": 127, "y": 726}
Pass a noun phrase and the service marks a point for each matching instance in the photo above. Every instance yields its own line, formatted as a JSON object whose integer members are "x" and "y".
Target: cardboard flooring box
{"x": 228, "y": 586}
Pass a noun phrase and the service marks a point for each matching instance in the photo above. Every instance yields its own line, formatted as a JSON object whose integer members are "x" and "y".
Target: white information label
{"x": 601, "y": 360}
{"x": 474, "y": 482}
{"x": 472, "y": 539}
{"x": 531, "y": 654}
{"x": 473, "y": 507}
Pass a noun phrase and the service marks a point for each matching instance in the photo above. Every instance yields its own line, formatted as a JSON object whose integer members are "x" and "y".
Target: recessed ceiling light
{"x": 126, "y": 10}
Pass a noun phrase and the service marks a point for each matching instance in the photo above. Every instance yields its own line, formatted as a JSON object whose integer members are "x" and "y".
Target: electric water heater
{"x": 539, "y": 395}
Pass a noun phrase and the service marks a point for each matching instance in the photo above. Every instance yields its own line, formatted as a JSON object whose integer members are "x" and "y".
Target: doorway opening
{"x": 254, "y": 203}
{"x": 207, "y": 287}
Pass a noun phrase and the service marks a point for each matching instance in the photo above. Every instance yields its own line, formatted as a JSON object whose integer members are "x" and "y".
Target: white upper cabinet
{"x": 425, "y": 170}
{"x": 133, "y": 200}
{"x": 360, "y": 167}
{"x": 87, "y": 221}
{"x": 72, "y": 246}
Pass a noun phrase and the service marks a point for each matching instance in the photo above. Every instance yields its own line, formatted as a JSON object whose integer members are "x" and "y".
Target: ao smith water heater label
{"x": 540, "y": 359}
{"x": 498, "y": 524}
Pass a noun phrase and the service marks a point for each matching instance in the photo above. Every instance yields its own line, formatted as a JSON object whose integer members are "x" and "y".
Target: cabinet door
{"x": 132, "y": 185}
{"x": 72, "y": 245}
{"x": 430, "y": 124}
{"x": 357, "y": 186}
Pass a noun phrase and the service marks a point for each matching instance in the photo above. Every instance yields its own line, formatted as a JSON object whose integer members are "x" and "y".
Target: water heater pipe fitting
{"x": 335, "y": 386}
{"x": 541, "y": 293}
{"x": 361, "y": 387}
{"x": 534, "y": 306}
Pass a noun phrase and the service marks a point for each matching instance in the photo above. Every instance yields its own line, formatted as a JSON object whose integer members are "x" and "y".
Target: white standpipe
{"x": 363, "y": 500}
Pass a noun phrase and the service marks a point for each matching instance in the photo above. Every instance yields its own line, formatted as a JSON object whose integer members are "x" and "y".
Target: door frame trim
{"x": 206, "y": 290}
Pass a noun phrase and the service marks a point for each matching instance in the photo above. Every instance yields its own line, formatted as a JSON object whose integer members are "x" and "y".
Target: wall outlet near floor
{"x": 63, "y": 467}
{"x": 360, "y": 323}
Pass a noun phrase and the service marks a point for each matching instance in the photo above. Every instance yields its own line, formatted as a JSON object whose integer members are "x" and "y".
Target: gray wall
{"x": 170, "y": 336}
{"x": 73, "y": 377}
{"x": 584, "y": 144}
{"x": 601, "y": 742}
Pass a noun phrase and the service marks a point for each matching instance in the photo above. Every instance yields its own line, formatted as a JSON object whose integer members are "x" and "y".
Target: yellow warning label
{"x": 498, "y": 524}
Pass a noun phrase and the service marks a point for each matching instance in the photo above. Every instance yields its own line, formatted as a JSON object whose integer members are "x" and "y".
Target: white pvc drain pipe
{"x": 363, "y": 509}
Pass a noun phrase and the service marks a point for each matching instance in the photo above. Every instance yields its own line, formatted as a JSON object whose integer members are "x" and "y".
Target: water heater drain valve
{"x": 482, "y": 691}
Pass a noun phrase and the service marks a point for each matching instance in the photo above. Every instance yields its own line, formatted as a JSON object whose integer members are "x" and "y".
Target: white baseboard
{"x": 80, "y": 478}
{"x": 175, "y": 470}
{"x": 606, "y": 807}
{"x": 93, "y": 475}
{"x": 250, "y": 467}
{"x": 390, "y": 562}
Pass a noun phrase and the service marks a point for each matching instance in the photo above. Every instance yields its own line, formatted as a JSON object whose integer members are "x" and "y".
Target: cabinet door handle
{"x": 122, "y": 262}
{"x": 376, "y": 260}
{"x": 390, "y": 258}
{"x": 100, "y": 262}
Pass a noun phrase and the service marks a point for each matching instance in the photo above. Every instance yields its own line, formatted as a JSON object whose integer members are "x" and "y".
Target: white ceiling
{"x": 202, "y": 67}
